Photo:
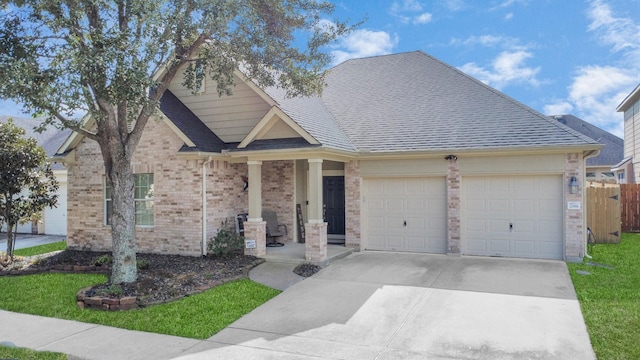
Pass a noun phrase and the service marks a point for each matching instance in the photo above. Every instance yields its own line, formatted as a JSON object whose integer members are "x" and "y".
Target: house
{"x": 400, "y": 153}
{"x": 598, "y": 168}
{"x": 54, "y": 220}
{"x": 627, "y": 171}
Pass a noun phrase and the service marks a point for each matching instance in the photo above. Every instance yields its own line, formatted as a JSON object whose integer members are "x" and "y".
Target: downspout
{"x": 591, "y": 154}
{"x": 204, "y": 205}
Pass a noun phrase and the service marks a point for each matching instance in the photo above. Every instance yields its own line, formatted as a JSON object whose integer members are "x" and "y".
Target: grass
{"x": 7, "y": 352}
{"x": 198, "y": 316}
{"x": 610, "y": 298}
{"x": 41, "y": 249}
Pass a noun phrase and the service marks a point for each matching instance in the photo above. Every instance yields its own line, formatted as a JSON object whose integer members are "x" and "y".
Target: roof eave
{"x": 629, "y": 100}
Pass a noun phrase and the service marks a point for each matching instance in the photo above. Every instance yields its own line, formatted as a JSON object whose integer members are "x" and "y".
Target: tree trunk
{"x": 123, "y": 220}
{"x": 10, "y": 240}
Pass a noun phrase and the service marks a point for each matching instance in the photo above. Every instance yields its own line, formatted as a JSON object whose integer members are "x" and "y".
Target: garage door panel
{"x": 413, "y": 213}
{"x": 498, "y": 205}
{"x": 533, "y": 204}
{"x": 417, "y": 204}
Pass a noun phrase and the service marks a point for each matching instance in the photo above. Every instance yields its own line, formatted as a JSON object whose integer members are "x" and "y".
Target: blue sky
{"x": 556, "y": 56}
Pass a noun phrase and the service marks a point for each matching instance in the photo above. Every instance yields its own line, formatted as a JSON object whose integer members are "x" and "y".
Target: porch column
{"x": 315, "y": 228}
{"x": 255, "y": 228}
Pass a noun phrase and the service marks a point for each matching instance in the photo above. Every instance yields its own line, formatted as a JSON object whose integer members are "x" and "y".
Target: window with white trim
{"x": 143, "y": 197}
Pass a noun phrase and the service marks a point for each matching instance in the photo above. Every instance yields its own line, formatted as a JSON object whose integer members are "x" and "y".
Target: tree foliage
{"x": 27, "y": 183}
{"x": 102, "y": 58}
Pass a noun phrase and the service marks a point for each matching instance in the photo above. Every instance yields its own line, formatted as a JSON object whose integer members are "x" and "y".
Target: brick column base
{"x": 256, "y": 230}
{"x": 316, "y": 242}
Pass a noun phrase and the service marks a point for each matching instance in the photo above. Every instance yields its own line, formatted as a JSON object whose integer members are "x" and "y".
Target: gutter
{"x": 204, "y": 205}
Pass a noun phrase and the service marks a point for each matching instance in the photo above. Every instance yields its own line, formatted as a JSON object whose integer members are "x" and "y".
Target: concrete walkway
{"x": 366, "y": 306}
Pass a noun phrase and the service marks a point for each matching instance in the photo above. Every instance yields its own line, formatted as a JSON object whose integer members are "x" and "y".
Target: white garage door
{"x": 55, "y": 219}
{"x": 406, "y": 214}
{"x": 515, "y": 216}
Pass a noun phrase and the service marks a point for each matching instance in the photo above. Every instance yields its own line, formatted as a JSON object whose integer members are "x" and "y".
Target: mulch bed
{"x": 161, "y": 278}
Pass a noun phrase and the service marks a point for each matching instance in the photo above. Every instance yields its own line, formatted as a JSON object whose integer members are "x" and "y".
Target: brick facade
{"x": 316, "y": 242}
{"x": 574, "y": 219}
{"x": 177, "y": 196}
{"x": 278, "y": 184}
{"x": 352, "y": 184}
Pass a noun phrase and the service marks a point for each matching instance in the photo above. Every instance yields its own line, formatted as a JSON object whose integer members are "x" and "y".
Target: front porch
{"x": 295, "y": 253}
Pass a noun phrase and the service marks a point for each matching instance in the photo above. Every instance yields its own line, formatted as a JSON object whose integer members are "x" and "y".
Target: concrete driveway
{"x": 375, "y": 305}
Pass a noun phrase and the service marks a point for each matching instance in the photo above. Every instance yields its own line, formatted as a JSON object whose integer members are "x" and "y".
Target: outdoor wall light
{"x": 451, "y": 157}
{"x": 573, "y": 185}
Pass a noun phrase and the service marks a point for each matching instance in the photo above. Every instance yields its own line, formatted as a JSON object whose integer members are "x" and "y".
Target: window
{"x": 621, "y": 175}
{"x": 143, "y": 197}
{"x": 608, "y": 175}
{"x": 591, "y": 175}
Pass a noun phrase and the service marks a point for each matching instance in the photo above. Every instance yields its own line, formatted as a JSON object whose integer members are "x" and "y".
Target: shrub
{"x": 103, "y": 260}
{"x": 226, "y": 242}
{"x": 142, "y": 264}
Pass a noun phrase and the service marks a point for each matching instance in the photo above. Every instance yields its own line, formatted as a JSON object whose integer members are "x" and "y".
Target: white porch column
{"x": 255, "y": 190}
{"x": 315, "y": 228}
{"x": 315, "y": 191}
{"x": 255, "y": 228}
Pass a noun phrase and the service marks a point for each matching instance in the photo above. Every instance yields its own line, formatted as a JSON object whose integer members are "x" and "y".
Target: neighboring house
{"x": 401, "y": 153}
{"x": 628, "y": 170}
{"x": 598, "y": 167}
{"x": 54, "y": 220}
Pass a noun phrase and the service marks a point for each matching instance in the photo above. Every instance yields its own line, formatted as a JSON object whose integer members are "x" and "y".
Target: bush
{"x": 226, "y": 242}
{"x": 103, "y": 260}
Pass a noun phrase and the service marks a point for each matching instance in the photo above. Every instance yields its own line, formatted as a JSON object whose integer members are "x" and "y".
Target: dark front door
{"x": 333, "y": 195}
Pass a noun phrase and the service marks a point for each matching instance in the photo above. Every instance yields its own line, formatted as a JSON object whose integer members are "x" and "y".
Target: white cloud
{"x": 406, "y": 10}
{"x": 560, "y": 107}
{"x": 508, "y": 16}
{"x": 455, "y": 5}
{"x": 487, "y": 40}
{"x": 422, "y": 18}
{"x": 507, "y": 68}
{"x": 364, "y": 43}
{"x": 597, "y": 90}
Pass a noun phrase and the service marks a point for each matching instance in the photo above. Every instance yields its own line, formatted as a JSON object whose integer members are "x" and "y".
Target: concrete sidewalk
{"x": 29, "y": 240}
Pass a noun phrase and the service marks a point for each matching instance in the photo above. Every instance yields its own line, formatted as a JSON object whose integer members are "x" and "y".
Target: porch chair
{"x": 273, "y": 228}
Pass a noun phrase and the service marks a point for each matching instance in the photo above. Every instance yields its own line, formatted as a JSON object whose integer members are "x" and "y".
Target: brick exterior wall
{"x": 177, "y": 196}
{"x": 453, "y": 208}
{"x": 575, "y": 235}
{"x": 352, "y": 185}
{"x": 316, "y": 242}
{"x": 278, "y": 185}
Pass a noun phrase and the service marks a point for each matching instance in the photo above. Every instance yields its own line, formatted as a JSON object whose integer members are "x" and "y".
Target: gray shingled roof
{"x": 311, "y": 114}
{"x": 612, "y": 152}
{"x": 50, "y": 139}
{"x": 402, "y": 102}
{"x": 411, "y": 101}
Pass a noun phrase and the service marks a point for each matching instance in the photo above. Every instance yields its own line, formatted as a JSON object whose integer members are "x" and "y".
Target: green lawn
{"x": 41, "y": 249}
{"x": 610, "y": 298}
{"x": 27, "y": 354}
{"x": 198, "y": 316}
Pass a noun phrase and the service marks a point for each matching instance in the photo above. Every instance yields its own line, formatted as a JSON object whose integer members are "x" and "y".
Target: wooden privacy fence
{"x": 630, "y": 207}
{"x": 603, "y": 214}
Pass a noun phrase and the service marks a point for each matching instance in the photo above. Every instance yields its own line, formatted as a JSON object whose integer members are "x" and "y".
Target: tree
{"x": 27, "y": 183}
{"x": 115, "y": 59}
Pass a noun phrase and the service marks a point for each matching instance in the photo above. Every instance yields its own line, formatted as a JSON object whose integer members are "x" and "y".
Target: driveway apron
{"x": 380, "y": 305}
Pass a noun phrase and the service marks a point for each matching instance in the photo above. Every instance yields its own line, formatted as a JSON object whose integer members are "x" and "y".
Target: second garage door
{"x": 514, "y": 216}
{"x": 406, "y": 214}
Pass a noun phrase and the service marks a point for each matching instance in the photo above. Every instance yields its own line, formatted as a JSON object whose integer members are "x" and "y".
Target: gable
{"x": 230, "y": 117}
{"x": 275, "y": 124}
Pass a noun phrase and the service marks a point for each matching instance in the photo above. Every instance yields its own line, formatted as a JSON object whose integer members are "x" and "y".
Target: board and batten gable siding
{"x": 229, "y": 117}
{"x": 177, "y": 225}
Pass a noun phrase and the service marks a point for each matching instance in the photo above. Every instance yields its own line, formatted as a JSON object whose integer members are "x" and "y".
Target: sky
{"x": 556, "y": 56}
